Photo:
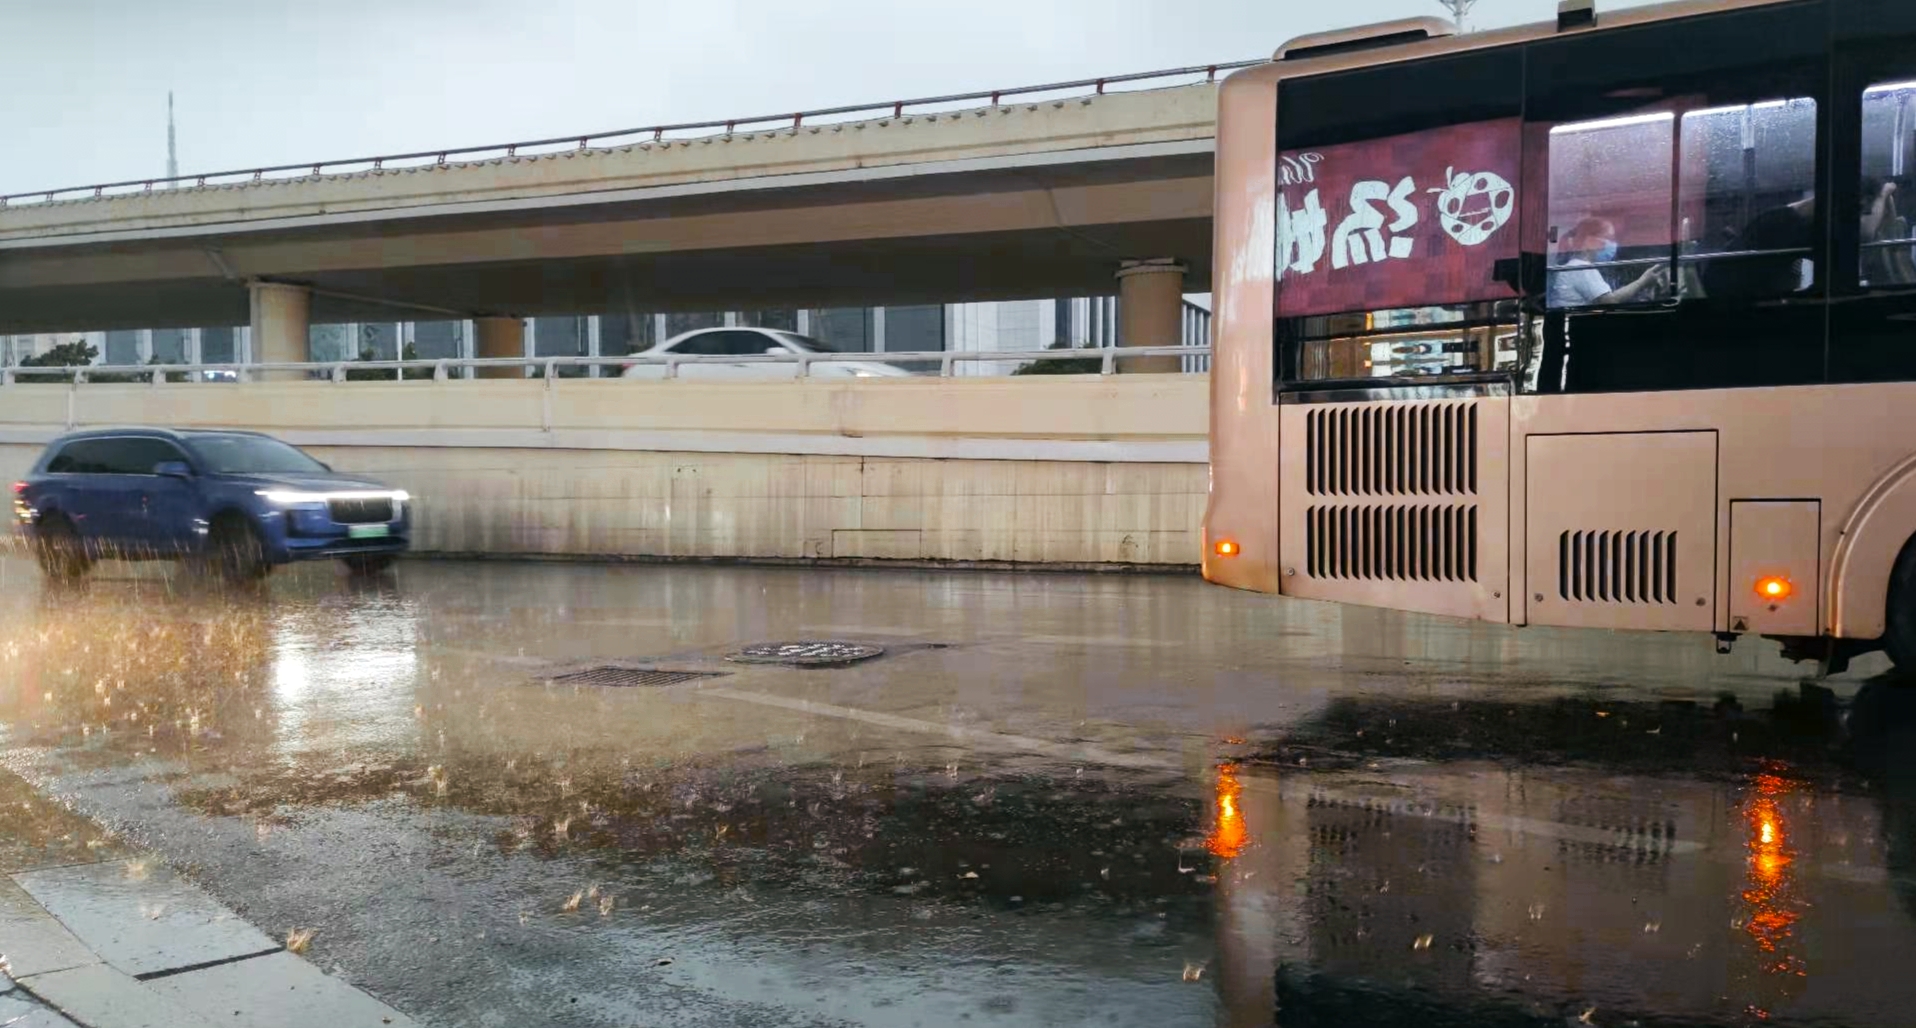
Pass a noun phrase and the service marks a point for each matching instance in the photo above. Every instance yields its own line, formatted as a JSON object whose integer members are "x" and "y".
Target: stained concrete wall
{"x": 1051, "y": 469}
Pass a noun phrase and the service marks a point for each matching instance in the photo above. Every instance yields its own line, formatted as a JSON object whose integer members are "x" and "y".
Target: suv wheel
{"x": 238, "y": 555}
{"x": 58, "y": 548}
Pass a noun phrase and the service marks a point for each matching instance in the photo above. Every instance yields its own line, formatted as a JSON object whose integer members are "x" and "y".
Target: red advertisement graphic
{"x": 1405, "y": 221}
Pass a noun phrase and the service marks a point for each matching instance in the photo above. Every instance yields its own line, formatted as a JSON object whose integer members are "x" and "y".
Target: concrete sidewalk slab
{"x": 19, "y": 1013}
{"x": 278, "y": 989}
{"x": 91, "y": 937}
{"x": 100, "y": 997}
{"x": 32, "y": 941}
{"x": 143, "y": 918}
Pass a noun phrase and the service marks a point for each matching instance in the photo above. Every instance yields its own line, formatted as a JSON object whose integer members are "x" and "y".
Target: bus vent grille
{"x": 1617, "y": 567}
{"x": 1401, "y": 542}
{"x": 1394, "y": 449}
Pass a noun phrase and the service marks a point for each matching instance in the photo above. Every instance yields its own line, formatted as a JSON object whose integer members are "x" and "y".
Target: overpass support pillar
{"x": 499, "y": 337}
{"x": 282, "y": 315}
{"x": 1150, "y": 311}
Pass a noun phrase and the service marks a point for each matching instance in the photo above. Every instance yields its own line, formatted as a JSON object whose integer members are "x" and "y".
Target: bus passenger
{"x": 1577, "y": 283}
{"x": 1770, "y": 257}
{"x": 1884, "y": 265}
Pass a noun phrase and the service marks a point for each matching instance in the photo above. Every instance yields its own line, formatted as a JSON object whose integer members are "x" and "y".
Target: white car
{"x": 738, "y": 342}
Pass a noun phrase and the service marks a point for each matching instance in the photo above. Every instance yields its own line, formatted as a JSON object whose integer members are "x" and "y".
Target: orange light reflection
{"x": 1770, "y": 893}
{"x": 1228, "y": 837}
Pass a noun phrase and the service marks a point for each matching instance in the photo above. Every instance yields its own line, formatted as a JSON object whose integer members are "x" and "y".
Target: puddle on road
{"x": 1471, "y": 860}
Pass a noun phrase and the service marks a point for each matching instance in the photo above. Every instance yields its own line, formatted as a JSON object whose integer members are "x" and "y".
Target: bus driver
{"x": 1577, "y": 283}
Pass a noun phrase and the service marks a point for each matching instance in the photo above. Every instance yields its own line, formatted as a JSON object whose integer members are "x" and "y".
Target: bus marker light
{"x": 1774, "y": 587}
{"x": 1226, "y": 548}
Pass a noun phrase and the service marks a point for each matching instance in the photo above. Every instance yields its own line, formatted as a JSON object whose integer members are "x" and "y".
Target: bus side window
{"x": 1679, "y": 230}
{"x": 1871, "y": 338}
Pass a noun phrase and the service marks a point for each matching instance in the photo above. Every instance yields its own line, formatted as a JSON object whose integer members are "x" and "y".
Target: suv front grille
{"x": 360, "y": 512}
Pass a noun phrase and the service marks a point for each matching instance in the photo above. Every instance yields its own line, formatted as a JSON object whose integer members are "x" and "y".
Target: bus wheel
{"x": 1899, "y": 633}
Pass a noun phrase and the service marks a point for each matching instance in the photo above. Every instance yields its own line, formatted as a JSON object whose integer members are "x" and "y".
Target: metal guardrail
{"x": 614, "y": 137}
{"x": 441, "y": 369}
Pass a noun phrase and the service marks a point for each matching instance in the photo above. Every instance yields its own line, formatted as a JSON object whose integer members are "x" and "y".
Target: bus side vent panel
{"x": 1392, "y": 542}
{"x": 1394, "y": 449}
{"x": 1617, "y": 567}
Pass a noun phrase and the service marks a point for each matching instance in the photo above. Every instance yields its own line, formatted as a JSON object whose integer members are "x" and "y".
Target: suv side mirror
{"x": 173, "y": 469}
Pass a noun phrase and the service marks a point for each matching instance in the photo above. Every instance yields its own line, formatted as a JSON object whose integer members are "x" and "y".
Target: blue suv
{"x": 238, "y": 502}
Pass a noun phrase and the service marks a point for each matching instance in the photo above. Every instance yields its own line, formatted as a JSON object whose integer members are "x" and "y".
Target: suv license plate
{"x": 368, "y": 531}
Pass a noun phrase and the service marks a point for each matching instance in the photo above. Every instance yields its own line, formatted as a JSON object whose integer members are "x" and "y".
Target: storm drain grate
{"x": 816, "y": 653}
{"x": 622, "y": 677}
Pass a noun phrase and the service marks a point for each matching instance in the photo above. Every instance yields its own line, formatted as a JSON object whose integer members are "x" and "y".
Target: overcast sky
{"x": 83, "y": 83}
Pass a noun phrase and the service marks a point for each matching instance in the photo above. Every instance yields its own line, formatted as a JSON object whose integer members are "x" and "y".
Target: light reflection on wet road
{"x": 1055, "y": 800}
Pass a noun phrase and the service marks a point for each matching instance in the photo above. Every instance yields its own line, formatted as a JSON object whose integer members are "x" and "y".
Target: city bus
{"x": 1604, "y": 322}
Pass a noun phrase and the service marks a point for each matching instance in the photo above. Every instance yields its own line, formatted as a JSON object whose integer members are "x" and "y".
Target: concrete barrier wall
{"x": 1053, "y": 469}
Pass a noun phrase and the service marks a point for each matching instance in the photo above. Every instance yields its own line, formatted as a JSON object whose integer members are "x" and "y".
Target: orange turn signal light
{"x": 1774, "y": 587}
{"x": 1226, "y": 548}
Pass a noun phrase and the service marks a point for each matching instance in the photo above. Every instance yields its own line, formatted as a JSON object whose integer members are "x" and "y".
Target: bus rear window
{"x": 1414, "y": 220}
{"x": 1396, "y": 218}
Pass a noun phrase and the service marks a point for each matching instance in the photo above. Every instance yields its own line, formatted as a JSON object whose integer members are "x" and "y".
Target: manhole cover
{"x": 630, "y": 676}
{"x": 809, "y": 654}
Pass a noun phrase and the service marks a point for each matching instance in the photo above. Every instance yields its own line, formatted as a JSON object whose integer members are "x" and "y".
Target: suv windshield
{"x": 251, "y": 455}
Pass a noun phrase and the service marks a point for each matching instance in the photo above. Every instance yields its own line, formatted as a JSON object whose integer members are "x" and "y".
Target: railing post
{"x": 439, "y": 372}
{"x": 944, "y": 365}
{"x": 671, "y": 367}
{"x": 804, "y": 365}
{"x": 1110, "y": 363}
{"x": 545, "y": 407}
{"x": 339, "y": 373}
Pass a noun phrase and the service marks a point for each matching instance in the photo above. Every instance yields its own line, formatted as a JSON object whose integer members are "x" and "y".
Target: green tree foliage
{"x": 76, "y": 353}
{"x": 1063, "y": 366}
{"x": 79, "y": 353}
{"x": 381, "y": 374}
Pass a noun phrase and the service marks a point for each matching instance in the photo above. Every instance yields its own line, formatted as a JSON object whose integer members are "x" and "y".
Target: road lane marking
{"x": 1289, "y": 788}
{"x": 1078, "y": 752}
{"x": 854, "y": 631}
{"x": 1098, "y": 640}
{"x": 516, "y": 660}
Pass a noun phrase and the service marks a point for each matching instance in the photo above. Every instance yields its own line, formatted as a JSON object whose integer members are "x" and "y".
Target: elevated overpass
{"x": 1043, "y": 191}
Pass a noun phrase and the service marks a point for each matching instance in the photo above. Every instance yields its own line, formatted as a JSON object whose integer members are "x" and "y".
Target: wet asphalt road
{"x": 1053, "y": 800}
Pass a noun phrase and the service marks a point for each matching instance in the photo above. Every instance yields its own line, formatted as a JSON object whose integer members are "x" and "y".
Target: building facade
{"x": 992, "y": 327}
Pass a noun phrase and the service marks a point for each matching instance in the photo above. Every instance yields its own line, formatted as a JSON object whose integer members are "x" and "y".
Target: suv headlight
{"x": 289, "y": 497}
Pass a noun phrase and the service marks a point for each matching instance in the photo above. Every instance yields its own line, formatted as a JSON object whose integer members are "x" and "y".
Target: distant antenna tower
{"x": 172, "y": 153}
{"x": 1458, "y": 9}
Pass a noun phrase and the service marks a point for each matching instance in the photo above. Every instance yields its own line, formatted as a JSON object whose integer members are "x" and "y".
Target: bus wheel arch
{"x": 1877, "y": 544}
